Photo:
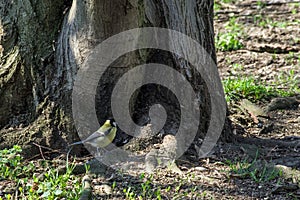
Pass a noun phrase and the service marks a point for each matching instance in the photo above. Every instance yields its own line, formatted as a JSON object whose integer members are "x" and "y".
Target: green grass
{"x": 217, "y": 7}
{"x": 150, "y": 188}
{"x": 261, "y": 4}
{"x": 266, "y": 22}
{"x": 10, "y": 164}
{"x": 246, "y": 87}
{"x": 145, "y": 190}
{"x": 228, "y": 1}
{"x": 272, "y": 23}
{"x": 288, "y": 82}
{"x": 295, "y": 7}
{"x": 253, "y": 89}
{"x": 256, "y": 171}
{"x": 228, "y": 42}
{"x": 230, "y": 39}
{"x": 49, "y": 185}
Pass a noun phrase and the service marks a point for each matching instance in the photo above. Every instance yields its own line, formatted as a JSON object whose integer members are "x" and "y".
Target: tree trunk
{"x": 29, "y": 110}
{"x": 38, "y": 70}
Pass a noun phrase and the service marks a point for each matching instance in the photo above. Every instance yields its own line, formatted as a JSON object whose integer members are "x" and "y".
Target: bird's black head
{"x": 112, "y": 122}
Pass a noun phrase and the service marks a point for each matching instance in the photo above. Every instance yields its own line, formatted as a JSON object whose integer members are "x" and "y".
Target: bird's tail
{"x": 75, "y": 143}
{"x": 71, "y": 147}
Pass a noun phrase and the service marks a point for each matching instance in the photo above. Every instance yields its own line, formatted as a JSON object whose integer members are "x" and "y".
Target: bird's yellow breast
{"x": 105, "y": 140}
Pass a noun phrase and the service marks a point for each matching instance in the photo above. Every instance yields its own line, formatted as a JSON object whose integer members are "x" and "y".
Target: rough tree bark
{"x": 43, "y": 43}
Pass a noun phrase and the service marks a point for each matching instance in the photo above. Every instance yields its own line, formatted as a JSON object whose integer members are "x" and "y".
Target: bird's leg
{"x": 98, "y": 152}
{"x": 105, "y": 150}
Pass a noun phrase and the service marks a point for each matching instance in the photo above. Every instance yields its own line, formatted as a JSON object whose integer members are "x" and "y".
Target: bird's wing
{"x": 97, "y": 134}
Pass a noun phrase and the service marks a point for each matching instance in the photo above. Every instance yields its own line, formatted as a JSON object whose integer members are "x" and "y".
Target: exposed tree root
{"x": 268, "y": 142}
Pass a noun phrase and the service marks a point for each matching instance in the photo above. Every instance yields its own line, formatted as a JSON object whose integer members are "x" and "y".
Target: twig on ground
{"x": 269, "y": 3}
{"x": 42, "y": 153}
{"x": 40, "y": 149}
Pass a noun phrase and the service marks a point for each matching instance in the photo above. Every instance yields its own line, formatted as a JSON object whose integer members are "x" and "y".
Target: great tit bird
{"x": 102, "y": 137}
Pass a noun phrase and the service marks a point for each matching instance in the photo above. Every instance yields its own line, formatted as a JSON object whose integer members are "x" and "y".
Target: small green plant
{"x": 295, "y": 7}
{"x": 288, "y": 83}
{"x": 264, "y": 174}
{"x": 237, "y": 66}
{"x": 227, "y": 1}
{"x": 217, "y": 7}
{"x": 255, "y": 170}
{"x": 55, "y": 185}
{"x": 266, "y": 22}
{"x": 129, "y": 194}
{"x": 290, "y": 58}
{"x": 11, "y": 166}
{"x": 157, "y": 194}
{"x": 145, "y": 190}
{"x": 146, "y": 187}
{"x": 279, "y": 24}
{"x": 230, "y": 40}
{"x": 246, "y": 87}
{"x": 233, "y": 25}
{"x": 50, "y": 185}
{"x": 260, "y": 4}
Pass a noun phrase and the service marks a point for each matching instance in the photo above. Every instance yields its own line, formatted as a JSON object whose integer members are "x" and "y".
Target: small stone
{"x": 260, "y": 125}
{"x": 201, "y": 169}
{"x": 102, "y": 189}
